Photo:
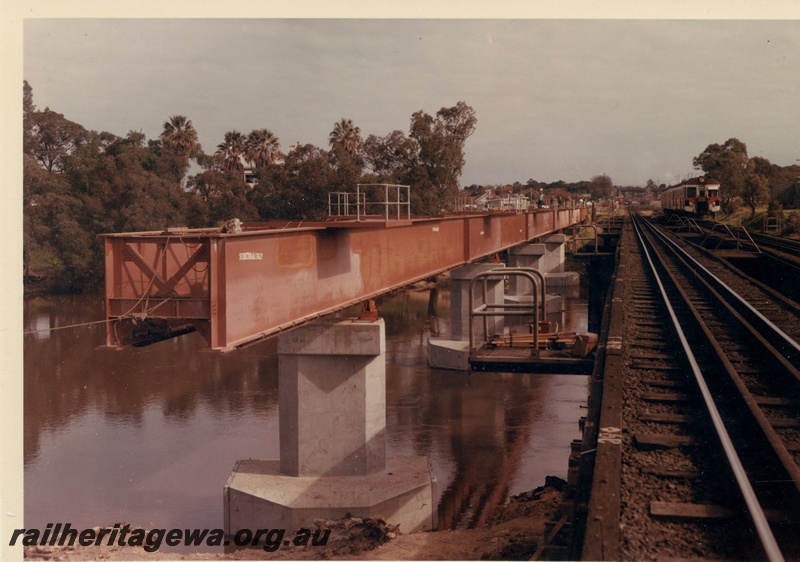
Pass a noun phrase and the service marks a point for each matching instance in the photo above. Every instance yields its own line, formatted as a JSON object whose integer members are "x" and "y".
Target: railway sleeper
{"x": 681, "y": 510}
{"x": 650, "y": 441}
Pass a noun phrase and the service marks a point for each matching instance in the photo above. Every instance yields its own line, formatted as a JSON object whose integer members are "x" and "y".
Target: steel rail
{"x": 768, "y": 542}
{"x": 777, "y": 242}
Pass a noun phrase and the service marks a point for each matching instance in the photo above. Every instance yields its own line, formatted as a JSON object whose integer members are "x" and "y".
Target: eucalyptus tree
{"x": 729, "y": 164}
{"x": 390, "y": 157}
{"x": 262, "y": 148}
{"x": 298, "y": 190}
{"x": 755, "y": 191}
{"x": 232, "y": 150}
{"x": 52, "y": 139}
{"x": 441, "y": 139}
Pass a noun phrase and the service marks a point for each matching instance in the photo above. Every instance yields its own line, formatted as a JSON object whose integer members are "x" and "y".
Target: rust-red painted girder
{"x": 239, "y": 288}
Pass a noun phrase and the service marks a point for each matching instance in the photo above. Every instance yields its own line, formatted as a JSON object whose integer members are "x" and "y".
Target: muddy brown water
{"x": 149, "y": 436}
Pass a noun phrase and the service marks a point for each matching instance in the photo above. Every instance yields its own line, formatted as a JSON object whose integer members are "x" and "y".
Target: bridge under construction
{"x": 239, "y": 285}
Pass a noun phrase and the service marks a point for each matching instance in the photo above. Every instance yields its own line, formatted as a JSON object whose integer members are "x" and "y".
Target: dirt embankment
{"x": 513, "y": 533}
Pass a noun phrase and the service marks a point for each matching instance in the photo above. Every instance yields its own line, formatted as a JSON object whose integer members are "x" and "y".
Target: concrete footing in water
{"x": 332, "y": 400}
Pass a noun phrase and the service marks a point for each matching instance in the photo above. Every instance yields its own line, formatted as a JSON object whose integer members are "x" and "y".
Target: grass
{"x": 790, "y": 222}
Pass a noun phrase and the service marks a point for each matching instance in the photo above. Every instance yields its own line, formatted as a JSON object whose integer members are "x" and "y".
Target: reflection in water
{"x": 149, "y": 436}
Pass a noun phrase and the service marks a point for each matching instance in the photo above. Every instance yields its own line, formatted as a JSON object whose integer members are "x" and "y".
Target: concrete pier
{"x": 460, "y": 279}
{"x": 453, "y": 352}
{"x": 332, "y": 403}
{"x": 547, "y": 257}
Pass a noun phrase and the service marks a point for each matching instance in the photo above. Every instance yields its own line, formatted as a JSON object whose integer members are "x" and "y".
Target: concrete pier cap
{"x": 332, "y": 418}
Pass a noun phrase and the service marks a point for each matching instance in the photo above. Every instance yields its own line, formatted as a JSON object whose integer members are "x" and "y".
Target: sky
{"x": 554, "y": 98}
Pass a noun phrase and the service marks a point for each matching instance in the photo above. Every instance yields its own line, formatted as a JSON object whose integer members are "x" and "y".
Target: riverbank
{"x": 513, "y": 533}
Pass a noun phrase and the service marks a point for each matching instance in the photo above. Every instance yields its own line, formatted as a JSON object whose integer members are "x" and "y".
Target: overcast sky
{"x": 554, "y": 99}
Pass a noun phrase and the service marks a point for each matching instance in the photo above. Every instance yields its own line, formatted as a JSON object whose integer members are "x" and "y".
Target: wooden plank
{"x": 659, "y": 441}
{"x": 666, "y": 417}
{"x": 664, "y": 397}
{"x": 784, "y": 423}
{"x": 679, "y": 510}
{"x": 770, "y": 401}
{"x": 670, "y": 472}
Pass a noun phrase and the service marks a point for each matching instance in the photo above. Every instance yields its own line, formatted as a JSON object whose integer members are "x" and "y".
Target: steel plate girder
{"x": 236, "y": 289}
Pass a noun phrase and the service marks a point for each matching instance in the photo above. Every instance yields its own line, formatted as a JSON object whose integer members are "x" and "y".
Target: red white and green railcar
{"x": 695, "y": 197}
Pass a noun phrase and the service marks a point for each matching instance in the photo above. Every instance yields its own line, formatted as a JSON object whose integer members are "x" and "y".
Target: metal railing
{"x": 575, "y": 238}
{"x": 486, "y": 309}
{"x": 772, "y": 225}
{"x": 371, "y": 201}
{"x": 737, "y": 233}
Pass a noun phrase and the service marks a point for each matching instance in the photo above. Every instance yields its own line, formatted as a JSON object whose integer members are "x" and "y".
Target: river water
{"x": 149, "y": 436}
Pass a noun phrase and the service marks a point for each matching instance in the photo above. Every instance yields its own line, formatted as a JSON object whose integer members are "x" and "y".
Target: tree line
{"x": 598, "y": 187}
{"x": 78, "y": 183}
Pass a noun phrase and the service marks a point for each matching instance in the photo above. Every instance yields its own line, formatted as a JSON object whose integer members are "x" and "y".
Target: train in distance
{"x": 695, "y": 197}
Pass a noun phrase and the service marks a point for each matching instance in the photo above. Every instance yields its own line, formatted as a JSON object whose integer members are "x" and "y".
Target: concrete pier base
{"x": 448, "y": 354}
{"x": 332, "y": 404}
{"x": 258, "y": 496}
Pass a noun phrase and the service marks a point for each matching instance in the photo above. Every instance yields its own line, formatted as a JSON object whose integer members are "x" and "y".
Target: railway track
{"x": 772, "y": 260}
{"x": 786, "y": 245}
{"x": 711, "y": 444}
{"x": 756, "y": 240}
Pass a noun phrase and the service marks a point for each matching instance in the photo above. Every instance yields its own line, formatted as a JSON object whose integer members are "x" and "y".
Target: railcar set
{"x": 695, "y": 197}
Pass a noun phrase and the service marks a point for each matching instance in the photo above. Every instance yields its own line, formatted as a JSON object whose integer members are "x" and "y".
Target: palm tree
{"x": 262, "y": 148}
{"x": 232, "y": 150}
{"x": 346, "y": 136}
{"x": 179, "y": 135}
